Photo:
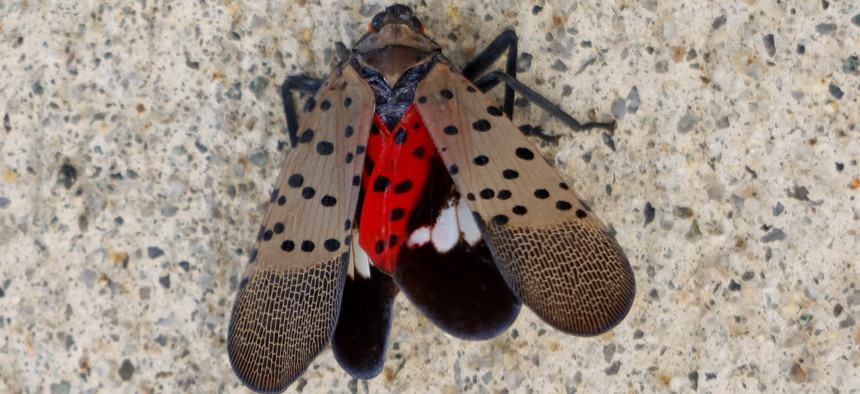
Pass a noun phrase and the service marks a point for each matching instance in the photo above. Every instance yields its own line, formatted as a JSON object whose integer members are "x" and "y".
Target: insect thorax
{"x": 392, "y": 101}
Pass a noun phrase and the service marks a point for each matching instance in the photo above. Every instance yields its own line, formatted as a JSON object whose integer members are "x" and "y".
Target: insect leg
{"x": 492, "y": 79}
{"x": 505, "y": 41}
{"x": 303, "y": 84}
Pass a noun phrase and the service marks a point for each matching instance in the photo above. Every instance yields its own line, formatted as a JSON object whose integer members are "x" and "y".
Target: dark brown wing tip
{"x": 574, "y": 277}
{"x": 281, "y": 321}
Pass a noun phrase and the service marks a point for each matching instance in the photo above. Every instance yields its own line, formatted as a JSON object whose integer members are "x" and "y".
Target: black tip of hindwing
{"x": 462, "y": 291}
{"x": 361, "y": 336}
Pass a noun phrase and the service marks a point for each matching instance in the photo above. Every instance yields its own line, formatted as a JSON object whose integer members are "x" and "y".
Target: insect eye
{"x": 376, "y": 22}
{"x": 416, "y": 22}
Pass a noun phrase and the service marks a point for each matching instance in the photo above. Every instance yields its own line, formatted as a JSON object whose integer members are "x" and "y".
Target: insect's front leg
{"x": 508, "y": 41}
{"x": 302, "y": 84}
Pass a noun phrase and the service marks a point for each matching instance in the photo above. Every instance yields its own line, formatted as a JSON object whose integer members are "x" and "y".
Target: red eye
{"x": 416, "y": 22}
{"x": 376, "y": 22}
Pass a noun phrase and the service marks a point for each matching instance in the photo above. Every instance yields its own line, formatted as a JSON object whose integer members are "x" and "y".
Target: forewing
{"x": 553, "y": 251}
{"x": 290, "y": 295}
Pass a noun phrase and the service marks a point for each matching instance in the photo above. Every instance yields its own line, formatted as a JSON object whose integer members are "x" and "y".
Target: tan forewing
{"x": 289, "y": 298}
{"x": 554, "y": 252}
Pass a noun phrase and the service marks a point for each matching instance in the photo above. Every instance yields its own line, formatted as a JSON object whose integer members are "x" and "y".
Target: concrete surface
{"x": 140, "y": 140}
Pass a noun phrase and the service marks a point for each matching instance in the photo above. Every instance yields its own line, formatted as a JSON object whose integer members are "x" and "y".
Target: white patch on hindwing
{"x": 359, "y": 262}
{"x": 454, "y": 222}
{"x": 468, "y": 226}
{"x": 419, "y": 237}
{"x": 446, "y": 231}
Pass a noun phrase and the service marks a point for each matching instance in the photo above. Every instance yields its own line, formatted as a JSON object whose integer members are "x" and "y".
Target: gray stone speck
{"x": 775, "y": 234}
{"x": 300, "y": 385}
{"x": 650, "y": 5}
{"x": 825, "y": 28}
{"x": 693, "y": 234}
{"x": 259, "y": 158}
{"x": 154, "y": 252}
{"x": 718, "y": 22}
{"x": 687, "y": 122}
{"x": 487, "y": 377}
{"x": 754, "y": 71}
{"x": 64, "y": 387}
{"x": 566, "y": 90}
{"x": 258, "y": 86}
{"x": 835, "y": 91}
{"x": 67, "y": 176}
{"x": 4, "y": 202}
{"x": 778, "y": 209}
{"x": 607, "y": 140}
{"x": 769, "y": 44}
{"x": 524, "y": 62}
{"x": 850, "y": 64}
{"x": 734, "y": 286}
{"x": 169, "y": 210}
{"x": 848, "y": 322}
{"x": 235, "y": 92}
{"x": 165, "y": 281}
{"x": 662, "y": 67}
{"x": 126, "y": 370}
{"x": 37, "y": 89}
{"x": 613, "y": 369}
{"x": 585, "y": 65}
{"x": 618, "y": 108}
{"x": 799, "y": 193}
{"x": 608, "y": 352}
{"x": 633, "y": 101}
{"x": 837, "y": 310}
{"x": 691, "y": 55}
{"x": 200, "y": 147}
{"x": 88, "y": 277}
{"x": 559, "y": 66}
{"x": 856, "y": 20}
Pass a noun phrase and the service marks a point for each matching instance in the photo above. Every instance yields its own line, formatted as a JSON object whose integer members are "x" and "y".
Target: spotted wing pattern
{"x": 290, "y": 295}
{"x": 553, "y": 251}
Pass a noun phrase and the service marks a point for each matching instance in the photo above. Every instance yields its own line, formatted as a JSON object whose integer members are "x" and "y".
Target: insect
{"x": 403, "y": 176}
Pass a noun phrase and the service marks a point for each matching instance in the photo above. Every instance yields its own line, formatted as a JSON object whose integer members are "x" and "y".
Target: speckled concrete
{"x": 140, "y": 140}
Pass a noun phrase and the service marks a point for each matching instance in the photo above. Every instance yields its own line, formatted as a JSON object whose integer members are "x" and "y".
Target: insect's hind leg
{"x": 492, "y": 79}
{"x": 302, "y": 84}
{"x": 507, "y": 41}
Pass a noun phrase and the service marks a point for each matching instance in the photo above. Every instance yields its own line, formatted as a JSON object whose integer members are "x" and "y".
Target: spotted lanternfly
{"x": 403, "y": 176}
